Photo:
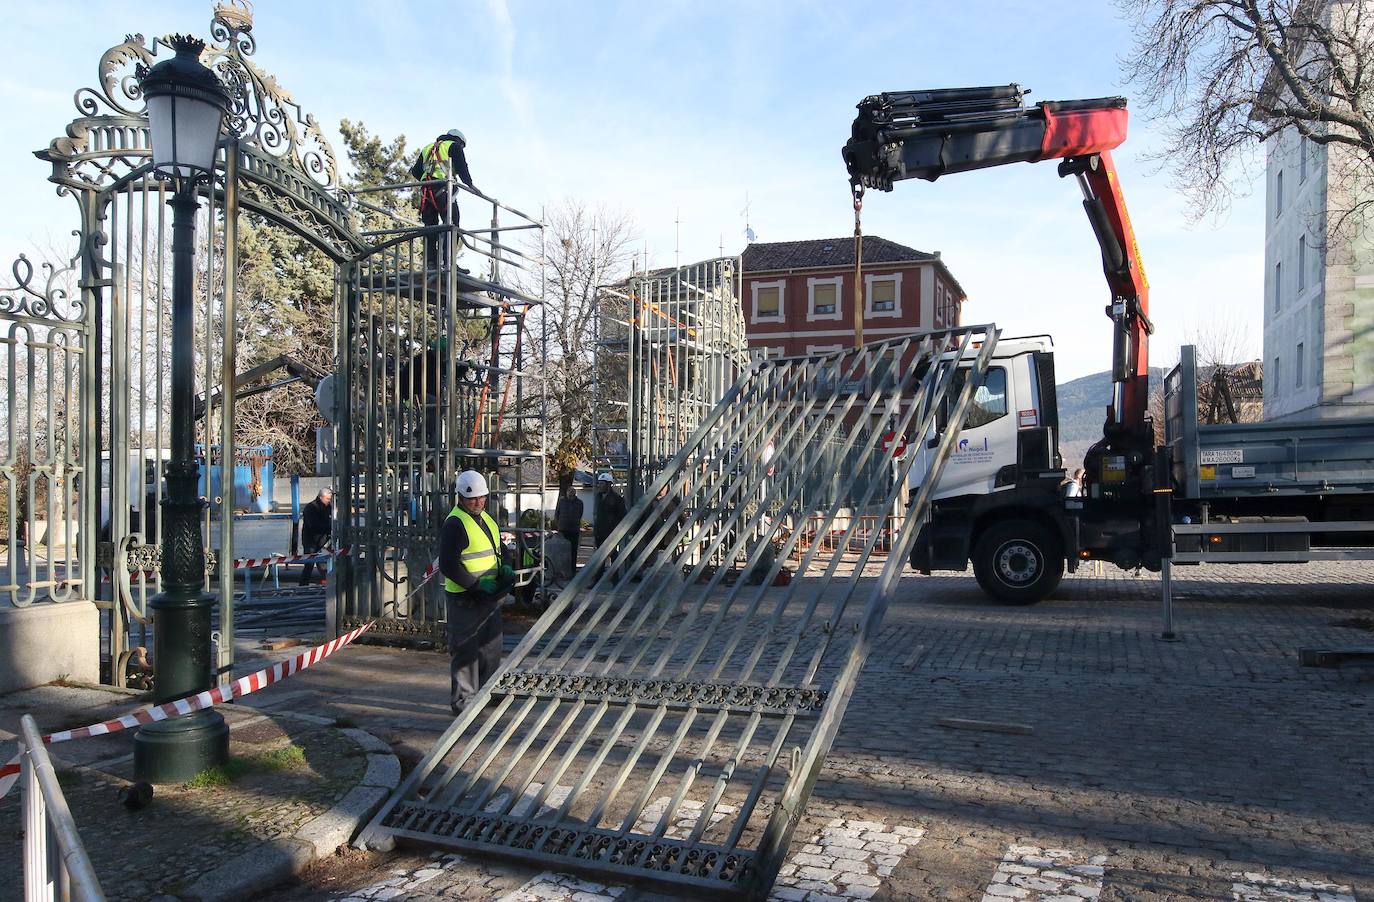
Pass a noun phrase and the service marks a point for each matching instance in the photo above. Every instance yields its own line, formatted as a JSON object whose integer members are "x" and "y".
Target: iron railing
{"x": 55, "y": 863}
{"x": 667, "y": 718}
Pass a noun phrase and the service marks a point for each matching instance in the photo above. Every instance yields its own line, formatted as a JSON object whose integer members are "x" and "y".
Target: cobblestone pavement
{"x": 1213, "y": 767}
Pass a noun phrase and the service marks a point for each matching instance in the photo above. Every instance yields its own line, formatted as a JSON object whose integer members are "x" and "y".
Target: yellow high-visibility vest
{"x": 436, "y": 157}
{"x": 480, "y": 556}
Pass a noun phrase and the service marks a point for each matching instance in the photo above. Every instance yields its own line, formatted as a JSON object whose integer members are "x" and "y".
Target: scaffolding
{"x": 669, "y": 343}
{"x": 443, "y": 371}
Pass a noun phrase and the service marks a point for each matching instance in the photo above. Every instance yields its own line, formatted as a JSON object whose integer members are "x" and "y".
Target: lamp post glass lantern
{"x": 186, "y": 105}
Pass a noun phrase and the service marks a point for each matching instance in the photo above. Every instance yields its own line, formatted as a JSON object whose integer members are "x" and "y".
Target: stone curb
{"x": 275, "y": 862}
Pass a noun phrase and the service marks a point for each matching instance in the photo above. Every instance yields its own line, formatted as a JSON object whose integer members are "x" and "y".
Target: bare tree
{"x": 1230, "y": 389}
{"x": 1227, "y": 75}
{"x": 583, "y": 248}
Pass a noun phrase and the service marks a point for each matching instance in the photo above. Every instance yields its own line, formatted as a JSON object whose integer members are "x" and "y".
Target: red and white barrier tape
{"x": 424, "y": 580}
{"x": 9, "y": 772}
{"x": 279, "y": 558}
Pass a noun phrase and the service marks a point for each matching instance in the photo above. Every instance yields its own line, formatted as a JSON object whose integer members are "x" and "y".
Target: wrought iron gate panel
{"x": 442, "y": 372}
{"x": 44, "y": 361}
{"x": 642, "y": 728}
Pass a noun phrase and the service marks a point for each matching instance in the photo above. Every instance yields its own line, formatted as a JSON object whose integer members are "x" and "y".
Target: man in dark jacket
{"x": 609, "y": 510}
{"x": 568, "y": 517}
{"x": 316, "y": 527}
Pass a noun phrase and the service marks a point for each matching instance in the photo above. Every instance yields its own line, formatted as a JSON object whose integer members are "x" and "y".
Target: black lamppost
{"x": 186, "y": 106}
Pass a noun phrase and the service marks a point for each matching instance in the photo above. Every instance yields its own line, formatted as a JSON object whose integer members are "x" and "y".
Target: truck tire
{"x": 1018, "y": 562}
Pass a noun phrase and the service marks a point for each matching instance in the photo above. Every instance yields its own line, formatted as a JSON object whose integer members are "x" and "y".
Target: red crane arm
{"x": 927, "y": 134}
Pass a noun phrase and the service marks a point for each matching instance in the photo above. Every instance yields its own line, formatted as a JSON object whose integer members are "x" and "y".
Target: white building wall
{"x": 1294, "y": 275}
{"x": 1348, "y": 324}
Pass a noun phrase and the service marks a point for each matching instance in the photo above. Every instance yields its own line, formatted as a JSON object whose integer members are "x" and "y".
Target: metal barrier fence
{"x": 667, "y": 717}
{"x": 839, "y": 537}
{"x": 55, "y": 862}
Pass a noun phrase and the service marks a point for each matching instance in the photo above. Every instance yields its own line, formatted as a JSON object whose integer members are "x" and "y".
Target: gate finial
{"x": 237, "y": 15}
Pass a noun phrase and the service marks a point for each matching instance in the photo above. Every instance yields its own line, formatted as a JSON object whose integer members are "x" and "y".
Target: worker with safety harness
{"x": 475, "y": 582}
{"x": 435, "y": 204}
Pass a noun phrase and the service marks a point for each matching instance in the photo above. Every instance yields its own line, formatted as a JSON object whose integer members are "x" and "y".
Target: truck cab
{"x": 999, "y": 502}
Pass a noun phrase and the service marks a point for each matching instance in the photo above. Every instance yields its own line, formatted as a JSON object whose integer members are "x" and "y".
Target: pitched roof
{"x": 778, "y": 255}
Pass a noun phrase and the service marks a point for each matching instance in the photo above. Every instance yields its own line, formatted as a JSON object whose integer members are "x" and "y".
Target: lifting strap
{"x": 858, "y": 191}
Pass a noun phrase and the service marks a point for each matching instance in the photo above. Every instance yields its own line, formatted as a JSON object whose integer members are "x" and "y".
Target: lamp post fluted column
{"x": 176, "y": 750}
{"x": 186, "y": 105}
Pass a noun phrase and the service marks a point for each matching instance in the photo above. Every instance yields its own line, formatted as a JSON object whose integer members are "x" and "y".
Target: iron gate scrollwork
{"x": 44, "y": 359}
{"x": 667, "y": 718}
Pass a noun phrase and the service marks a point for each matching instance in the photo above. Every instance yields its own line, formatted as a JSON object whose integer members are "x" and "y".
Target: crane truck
{"x": 1261, "y": 492}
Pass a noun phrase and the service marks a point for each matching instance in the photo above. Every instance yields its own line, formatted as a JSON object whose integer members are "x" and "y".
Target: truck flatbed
{"x": 1240, "y": 460}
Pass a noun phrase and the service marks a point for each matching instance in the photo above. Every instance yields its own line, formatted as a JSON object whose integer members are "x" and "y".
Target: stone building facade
{"x": 798, "y": 296}
{"x": 1318, "y": 286}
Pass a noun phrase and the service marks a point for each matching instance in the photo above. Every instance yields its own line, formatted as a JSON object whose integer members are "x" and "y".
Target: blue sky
{"x": 676, "y": 110}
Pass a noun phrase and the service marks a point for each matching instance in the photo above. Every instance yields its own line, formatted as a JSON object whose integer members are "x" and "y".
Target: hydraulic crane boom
{"x": 927, "y": 134}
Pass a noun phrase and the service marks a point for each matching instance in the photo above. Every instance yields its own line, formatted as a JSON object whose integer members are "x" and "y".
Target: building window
{"x": 946, "y": 306}
{"x": 1274, "y": 380}
{"x": 1278, "y": 195}
{"x": 884, "y": 295}
{"x": 881, "y": 367}
{"x": 1278, "y": 286}
{"x": 1302, "y": 262}
{"x": 768, "y": 302}
{"x": 824, "y": 298}
{"x": 1298, "y": 367}
{"x": 1302, "y": 159}
{"x": 823, "y": 349}
{"x": 763, "y": 352}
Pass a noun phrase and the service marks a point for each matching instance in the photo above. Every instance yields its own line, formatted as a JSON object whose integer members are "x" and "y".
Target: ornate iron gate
{"x": 667, "y": 718}
{"x": 276, "y": 164}
{"x": 669, "y": 343}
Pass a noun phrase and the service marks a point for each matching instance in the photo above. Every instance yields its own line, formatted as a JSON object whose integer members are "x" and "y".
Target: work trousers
{"x": 432, "y": 214}
{"x": 574, "y": 538}
{"x": 474, "y": 644}
{"x": 312, "y": 545}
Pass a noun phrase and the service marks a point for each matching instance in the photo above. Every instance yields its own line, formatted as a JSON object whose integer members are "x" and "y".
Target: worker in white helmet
{"x": 435, "y": 204}
{"x": 475, "y": 582}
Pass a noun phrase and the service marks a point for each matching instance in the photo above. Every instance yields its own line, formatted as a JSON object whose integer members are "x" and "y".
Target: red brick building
{"x": 798, "y": 296}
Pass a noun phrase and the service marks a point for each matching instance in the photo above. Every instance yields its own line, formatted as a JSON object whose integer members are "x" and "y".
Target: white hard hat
{"x": 605, "y": 477}
{"x": 455, "y": 133}
{"x": 471, "y": 484}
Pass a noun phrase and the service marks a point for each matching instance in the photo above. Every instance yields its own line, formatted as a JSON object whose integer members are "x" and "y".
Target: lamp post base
{"x": 174, "y": 751}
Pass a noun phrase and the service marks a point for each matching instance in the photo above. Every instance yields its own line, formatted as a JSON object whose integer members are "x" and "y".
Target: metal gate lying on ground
{"x": 667, "y": 718}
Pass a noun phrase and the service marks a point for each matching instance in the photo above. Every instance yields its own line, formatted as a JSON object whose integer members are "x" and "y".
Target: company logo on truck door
{"x": 971, "y": 452}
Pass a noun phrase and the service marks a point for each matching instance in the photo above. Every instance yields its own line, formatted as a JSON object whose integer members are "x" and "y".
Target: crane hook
{"x": 857, "y": 189}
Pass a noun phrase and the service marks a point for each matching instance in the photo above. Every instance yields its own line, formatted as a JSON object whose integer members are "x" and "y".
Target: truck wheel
{"x": 1018, "y": 562}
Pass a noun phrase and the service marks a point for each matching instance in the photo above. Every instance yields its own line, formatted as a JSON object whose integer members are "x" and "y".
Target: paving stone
{"x": 1178, "y": 760}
